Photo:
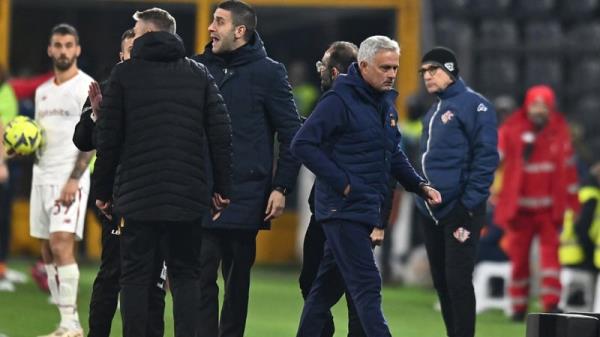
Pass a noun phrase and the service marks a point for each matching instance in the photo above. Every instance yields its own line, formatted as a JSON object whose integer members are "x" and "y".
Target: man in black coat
{"x": 105, "y": 291}
{"x": 260, "y": 101}
{"x": 161, "y": 114}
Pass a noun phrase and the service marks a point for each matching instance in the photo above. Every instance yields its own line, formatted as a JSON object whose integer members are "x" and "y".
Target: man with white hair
{"x": 351, "y": 143}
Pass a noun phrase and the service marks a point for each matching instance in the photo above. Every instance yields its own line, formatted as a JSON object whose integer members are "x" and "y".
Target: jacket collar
{"x": 355, "y": 80}
{"x": 251, "y": 51}
{"x": 453, "y": 89}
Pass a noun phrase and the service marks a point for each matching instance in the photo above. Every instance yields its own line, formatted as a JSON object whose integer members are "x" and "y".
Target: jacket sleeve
{"x": 483, "y": 140}
{"x": 328, "y": 118}
{"x": 402, "y": 169}
{"x": 283, "y": 115}
{"x": 83, "y": 136}
{"x": 109, "y": 137}
{"x": 217, "y": 124}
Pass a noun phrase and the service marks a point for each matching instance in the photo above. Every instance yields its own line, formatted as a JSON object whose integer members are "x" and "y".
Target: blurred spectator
{"x": 540, "y": 183}
{"x": 579, "y": 232}
{"x": 305, "y": 93}
{"x": 504, "y": 105}
{"x": 8, "y": 110}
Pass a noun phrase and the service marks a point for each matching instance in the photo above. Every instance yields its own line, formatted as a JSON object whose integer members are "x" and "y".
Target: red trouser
{"x": 520, "y": 234}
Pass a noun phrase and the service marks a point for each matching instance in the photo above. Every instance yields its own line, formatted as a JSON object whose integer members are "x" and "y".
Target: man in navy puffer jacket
{"x": 459, "y": 146}
{"x": 351, "y": 143}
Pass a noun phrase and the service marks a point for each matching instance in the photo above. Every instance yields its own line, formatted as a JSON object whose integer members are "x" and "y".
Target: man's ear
{"x": 334, "y": 72}
{"x": 240, "y": 31}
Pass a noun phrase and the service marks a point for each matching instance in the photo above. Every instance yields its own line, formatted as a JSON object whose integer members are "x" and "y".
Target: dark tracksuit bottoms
{"x": 348, "y": 259}
{"x": 105, "y": 291}
{"x": 314, "y": 244}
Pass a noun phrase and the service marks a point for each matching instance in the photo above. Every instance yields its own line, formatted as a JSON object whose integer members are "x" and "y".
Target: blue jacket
{"x": 459, "y": 149}
{"x": 352, "y": 138}
{"x": 260, "y": 102}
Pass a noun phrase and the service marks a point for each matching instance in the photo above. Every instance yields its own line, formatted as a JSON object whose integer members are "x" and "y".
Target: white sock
{"x": 52, "y": 282}
{"x": 68, "y": 277}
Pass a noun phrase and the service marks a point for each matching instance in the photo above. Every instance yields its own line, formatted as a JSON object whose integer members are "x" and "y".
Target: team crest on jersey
{"x": 461, "y": 234}
{"x": 447, "y": 116}
{"x": 482, "y": 107}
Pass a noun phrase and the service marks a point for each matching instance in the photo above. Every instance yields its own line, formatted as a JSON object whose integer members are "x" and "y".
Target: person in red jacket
{"x": 539, "y": 184}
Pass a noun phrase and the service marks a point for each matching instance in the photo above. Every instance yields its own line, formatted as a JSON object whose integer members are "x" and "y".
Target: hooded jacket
{"x": 539, "y": 165}
{"x": 161, "y": 114}
{"x": 260, "y": 101}
{"x": 351, "y": 138}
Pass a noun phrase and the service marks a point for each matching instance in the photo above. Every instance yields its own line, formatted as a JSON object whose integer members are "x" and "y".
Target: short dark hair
{"x": 160, "y": 18}
{"x": 64, "y": 29}
{"x": 128, "y": 34}
{"x": 242, "y": 14}
{"x": 341, "y": 55}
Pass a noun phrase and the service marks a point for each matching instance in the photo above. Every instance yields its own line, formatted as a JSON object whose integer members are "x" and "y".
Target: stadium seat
{"x": 484, "y": 275}
{"x": 457, "y": 35}
{"x": 584, "y": 76}
{"x": 487, "y": 8}
{"x": 561, "y": 325}
{"x": 452, "y": 7}
{"x": 531, "y": 8}
{"x": 498, "y": 75}
{"x": 543, "y": 34}
{"x": 586, "y": 111}
{"x": 584, "y": 38}
{"x": 498, "y": 34}
{"x": 547, "y": 71}
{"x": 579, "y": 8}
{"x": 577, "y": 289}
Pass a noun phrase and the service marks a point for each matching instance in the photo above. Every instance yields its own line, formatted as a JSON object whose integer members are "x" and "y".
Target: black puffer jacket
{"x": 161, "y": 114}
{"x": 260, "y": 101}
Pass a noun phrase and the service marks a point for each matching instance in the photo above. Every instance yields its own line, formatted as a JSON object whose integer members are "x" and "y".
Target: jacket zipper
{"x": 429, "y": 134}
{"x": 228, "y": 75}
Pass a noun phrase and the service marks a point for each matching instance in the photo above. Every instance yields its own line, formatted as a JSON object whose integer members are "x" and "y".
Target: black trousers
{"x": 314, "y": 244}
{"x": 5, "y": 215}
{"x": 140, "y": 248}
{"x": 452, "y": 263}
{"x": 105, "y": 291}
{"x": 235, "y": 250}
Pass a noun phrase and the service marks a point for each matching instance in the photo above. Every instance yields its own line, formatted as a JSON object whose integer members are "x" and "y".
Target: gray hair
{"x": 373, "y": 45}
{"x": 160, "y": 18}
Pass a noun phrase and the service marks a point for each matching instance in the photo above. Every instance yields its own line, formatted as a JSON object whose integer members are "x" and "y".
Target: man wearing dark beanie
{"x": 459, "y": 157}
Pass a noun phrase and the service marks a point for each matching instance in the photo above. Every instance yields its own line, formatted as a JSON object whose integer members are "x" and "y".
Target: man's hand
{"x": 218, "y": 205}
{"x": 275, "y": 205}
{"x": 377, "y": 236}
{"x": 4, "y": 175}
{"x": 69, "y": 192}
{"x": 95, "y": 96}
{"x": 432, "y": 196}
{"x": 105, "y": 207}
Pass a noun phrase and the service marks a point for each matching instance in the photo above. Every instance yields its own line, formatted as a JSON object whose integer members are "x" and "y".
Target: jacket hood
{"x": 251, "y": 51}
{"x": 158, "y": 46}
{"x": 355, "y": 80}
{"x": 546, "y": 94}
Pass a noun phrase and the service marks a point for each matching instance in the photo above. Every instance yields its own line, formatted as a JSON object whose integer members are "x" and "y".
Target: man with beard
{"x": 336, "y": 60}
{"x": 61, "y": 179}
{"x": 539, "y": 185}
{"x": 260, "y": 101}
